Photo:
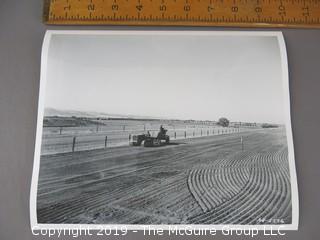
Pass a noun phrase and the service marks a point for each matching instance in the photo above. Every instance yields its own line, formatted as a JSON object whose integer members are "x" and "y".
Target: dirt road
{"x": 202, "y": 180}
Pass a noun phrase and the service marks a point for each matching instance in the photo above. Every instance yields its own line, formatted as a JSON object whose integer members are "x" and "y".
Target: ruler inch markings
{"x": 242, "y": 13}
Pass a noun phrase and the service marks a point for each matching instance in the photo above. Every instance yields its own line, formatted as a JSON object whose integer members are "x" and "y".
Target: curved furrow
{"x": 212, "y": 187}
{"x": 284, "y": 201}
{"x": 223, "y": 187}
{"x": 194, "y": 190}
{"x": 234, "y": 203}
{"x": 251, "y": 200}
{"x": 265, "y": 200}
{"x": 209, "y": 216}
{"x": 271, "y": 185}
{"x": 226, "y": 208}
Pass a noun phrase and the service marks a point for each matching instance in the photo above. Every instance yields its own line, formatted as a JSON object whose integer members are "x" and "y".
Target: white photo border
{"x": 36, "y": 165}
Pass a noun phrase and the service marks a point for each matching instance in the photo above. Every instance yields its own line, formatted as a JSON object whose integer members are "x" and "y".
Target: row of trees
{"x": 224, "y": 122}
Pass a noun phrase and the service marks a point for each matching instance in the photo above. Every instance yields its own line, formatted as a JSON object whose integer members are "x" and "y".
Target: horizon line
{"x": 141, "y": 117}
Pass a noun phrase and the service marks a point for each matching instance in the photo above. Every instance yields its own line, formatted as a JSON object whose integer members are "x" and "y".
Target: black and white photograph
{"x": 164, "y": 128}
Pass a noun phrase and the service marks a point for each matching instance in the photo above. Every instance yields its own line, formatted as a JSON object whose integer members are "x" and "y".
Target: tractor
{"x": 148, "y": 141}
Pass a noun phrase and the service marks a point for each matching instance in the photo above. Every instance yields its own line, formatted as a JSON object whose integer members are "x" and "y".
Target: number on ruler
{"x": 305, "y": 11}
{"x": 115, "y": 7}
{"x": 258, "y": 10}
{"x": 91, "y": 7}
{"x": 163, "y": 8}
{"x": 187, "y": 8}
{"x": 67, "y": 8}
{"x": 282, "y": 10}
{"x": 234, "y": 9}
{"x": 139, "y": 7}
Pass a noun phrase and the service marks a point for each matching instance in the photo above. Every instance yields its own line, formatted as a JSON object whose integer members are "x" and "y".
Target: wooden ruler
{"x": 243, "y": 13}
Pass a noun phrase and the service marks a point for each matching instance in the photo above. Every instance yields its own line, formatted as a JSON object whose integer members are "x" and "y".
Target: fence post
{"x": 212, "y": 131}
{"x": 129, "y": 137}
{"x": 201, "y": 132}
{"x": 207, "y": 132}
{"x": 97, "y": 129}
{"x": 144, "y": 127}
{"x": 193, "y": 133}
{"x": 185, "y": 134}
{"x": 175, "y": 135}
{"x": 73, "y": 144}
{"x": 242, "y": 147}
{"x": 60, "y": 130}
{"x": 105, "y": 142}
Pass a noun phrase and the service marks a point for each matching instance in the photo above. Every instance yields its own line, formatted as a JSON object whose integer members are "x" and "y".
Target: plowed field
{"x": 207, "y": 180}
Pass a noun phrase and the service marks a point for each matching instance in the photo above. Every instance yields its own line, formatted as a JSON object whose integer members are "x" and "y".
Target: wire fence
{"x": 71, "y": 139}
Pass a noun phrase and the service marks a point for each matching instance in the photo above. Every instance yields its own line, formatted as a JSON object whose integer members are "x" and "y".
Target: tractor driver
{"x": 162, "y": 131}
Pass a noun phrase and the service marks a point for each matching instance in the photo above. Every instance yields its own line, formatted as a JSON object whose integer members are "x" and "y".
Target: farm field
{"x": 115, "y": 133}
{"x": 203, "y": 180}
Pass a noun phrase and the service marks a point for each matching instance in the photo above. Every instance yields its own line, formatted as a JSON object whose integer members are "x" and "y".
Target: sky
{"x": 167, "y": 76}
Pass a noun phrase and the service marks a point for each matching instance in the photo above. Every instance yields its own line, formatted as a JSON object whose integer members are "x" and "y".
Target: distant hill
{"x": 50, "y": 112}
{"x": 59, "y": 121}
